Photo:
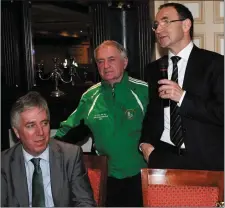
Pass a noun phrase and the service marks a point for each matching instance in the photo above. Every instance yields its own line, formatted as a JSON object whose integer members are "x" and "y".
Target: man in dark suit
{"x": 39, "y": 171}
{"x": 187, "y": 133}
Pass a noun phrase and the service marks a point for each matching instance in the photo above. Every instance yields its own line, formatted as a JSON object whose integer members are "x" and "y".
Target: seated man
{"x": 39, "y": 171}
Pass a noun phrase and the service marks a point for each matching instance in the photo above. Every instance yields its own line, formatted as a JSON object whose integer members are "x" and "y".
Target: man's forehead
{"x": 107, "y": 52}
{"x": 106, "y": 57}
{"x": 32, "y": 109}
{"x": 31, "y": 112}
{"x": 166, "y": 12}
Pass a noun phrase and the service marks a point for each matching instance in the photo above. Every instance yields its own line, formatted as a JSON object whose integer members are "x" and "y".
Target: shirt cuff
{"x": 181, "y": 99}
{"x": 140, "y": 147}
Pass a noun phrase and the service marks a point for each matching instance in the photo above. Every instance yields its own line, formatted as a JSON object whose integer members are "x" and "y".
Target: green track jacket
{"x": 114, "y": 115}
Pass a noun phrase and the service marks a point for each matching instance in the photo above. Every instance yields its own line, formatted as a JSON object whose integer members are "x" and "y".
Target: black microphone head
{"x": 163, "y": 64}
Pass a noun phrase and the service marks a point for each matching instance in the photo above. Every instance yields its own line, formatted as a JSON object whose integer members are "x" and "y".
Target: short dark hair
{"x": 183, "y": 12}
{"x": 30, "y": 100}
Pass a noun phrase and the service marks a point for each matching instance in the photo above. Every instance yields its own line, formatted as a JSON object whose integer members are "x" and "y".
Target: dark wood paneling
{"x": 98, "y": 30}
{"x": 145, "y": 38}
{"x": 128, "y": 23}
{"x": 10, "y": 46}
{"x": 16, "y": 69}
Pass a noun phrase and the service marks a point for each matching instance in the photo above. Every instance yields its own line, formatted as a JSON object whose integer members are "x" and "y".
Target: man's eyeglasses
{"x": 164, "y": 23}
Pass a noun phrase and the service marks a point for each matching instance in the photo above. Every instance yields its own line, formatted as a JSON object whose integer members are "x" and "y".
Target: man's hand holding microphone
{"x": 168, "y": 90}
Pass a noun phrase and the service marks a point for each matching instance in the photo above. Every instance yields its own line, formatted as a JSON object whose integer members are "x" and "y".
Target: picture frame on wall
{"x": 219, "y": 43}
{"x": 199, "y": 40}
{"x": 218, "y": 11}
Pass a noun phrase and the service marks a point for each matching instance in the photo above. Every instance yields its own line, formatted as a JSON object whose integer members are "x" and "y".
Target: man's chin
{"x": 163, "y": 45}
{"x": 40, "y": 147}
{"x": 39, "y": 150}
{"x": 109, "y": 79}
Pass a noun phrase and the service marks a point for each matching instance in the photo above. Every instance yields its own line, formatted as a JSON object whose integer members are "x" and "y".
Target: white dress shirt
{"x": 45, "y": 168}
{"x": 182, "y": 64}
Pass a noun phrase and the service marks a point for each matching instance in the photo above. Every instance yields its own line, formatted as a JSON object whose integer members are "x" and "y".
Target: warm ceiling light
{"x": 75, "y": 35}
{"x": 64, "y": 34}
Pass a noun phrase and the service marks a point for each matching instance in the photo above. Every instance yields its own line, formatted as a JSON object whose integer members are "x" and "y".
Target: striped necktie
{"x": 38, "y": 195}
{"x": 176, "y": 135}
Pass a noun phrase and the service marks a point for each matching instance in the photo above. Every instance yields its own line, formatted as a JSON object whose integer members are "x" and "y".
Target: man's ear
{"x": 125, "y": 63}
{"x": 187, "y": 25}
{"x": 16, "y": 132}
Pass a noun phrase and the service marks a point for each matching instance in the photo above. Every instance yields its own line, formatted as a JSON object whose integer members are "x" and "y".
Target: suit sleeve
{"x": 4, "y": 190}
{"x": 82, "y": 194}
{"x": 74, "y": 128}
{"x": 208, "y": 109}
{"x": 152, "y": 125}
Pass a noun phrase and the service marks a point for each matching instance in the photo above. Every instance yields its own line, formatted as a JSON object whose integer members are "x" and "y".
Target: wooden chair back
{"x": 98, "y": 172}
{"x": 174, "y": 187}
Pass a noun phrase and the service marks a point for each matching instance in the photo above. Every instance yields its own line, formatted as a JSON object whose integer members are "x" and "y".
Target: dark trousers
{"x": 124, "y": 192}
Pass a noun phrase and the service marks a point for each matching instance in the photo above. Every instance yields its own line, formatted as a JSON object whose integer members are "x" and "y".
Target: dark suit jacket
{"x": 69, "y": 180}
{"x": 202, "y": 109}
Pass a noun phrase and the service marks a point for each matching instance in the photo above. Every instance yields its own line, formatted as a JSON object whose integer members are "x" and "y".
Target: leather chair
{"x": 173, "y": 187}
{"x": 98, "y": 172}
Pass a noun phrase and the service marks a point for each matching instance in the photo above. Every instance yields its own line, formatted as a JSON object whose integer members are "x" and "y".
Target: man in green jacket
{"x": 113, "y": 110}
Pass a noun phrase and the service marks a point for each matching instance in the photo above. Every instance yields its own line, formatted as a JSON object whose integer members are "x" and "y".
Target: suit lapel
{"x": 194, "y": 62}
{"x": 55, "y": 160}
{"x": 19, "y": 178}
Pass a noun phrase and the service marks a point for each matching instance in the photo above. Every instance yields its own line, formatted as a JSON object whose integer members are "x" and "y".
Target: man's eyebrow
{"x": 45, "y": 120}
{"x": 100, "y": 59}
{"x": 163, "y": 18}
{"x": 111, "y": 57}
{"x": 30, "y": 122}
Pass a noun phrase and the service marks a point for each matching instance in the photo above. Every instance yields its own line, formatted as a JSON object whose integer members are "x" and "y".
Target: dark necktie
{"x": 38, "y": 196}
{"x": 176, "y": 135}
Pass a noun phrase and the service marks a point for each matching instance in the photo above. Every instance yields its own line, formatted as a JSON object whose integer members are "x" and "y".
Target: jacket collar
{"x": 56, "y": 163}
{"x": 194, "y": 62}
{"x": 18, "y": 172}
{"x": 123, "y": 81}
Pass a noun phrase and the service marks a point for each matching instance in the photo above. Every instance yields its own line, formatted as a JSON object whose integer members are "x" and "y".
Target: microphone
{"x": 163, "y": 65}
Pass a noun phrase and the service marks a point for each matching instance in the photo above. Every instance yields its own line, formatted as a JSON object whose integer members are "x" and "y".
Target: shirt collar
{"x": 184, "y": 53}
{"x": 44, "y": 155}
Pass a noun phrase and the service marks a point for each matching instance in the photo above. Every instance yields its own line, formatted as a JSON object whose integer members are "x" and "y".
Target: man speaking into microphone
{"x": 189, "y": 132}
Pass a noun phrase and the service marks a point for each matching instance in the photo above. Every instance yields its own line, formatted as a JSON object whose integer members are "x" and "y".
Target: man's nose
{"x": 40, "y": 130}
{"x": 106, "y": 64}
{"x": 158, "y": 29}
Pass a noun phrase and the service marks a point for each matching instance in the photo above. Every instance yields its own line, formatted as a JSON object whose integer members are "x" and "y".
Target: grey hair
{"x": 30, "y": 100}
{"x": 119, "y": 47}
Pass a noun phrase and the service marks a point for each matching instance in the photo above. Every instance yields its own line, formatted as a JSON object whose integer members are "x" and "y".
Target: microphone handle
{"x": 164, "y": 74}
{"x": 166, "y": 102}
